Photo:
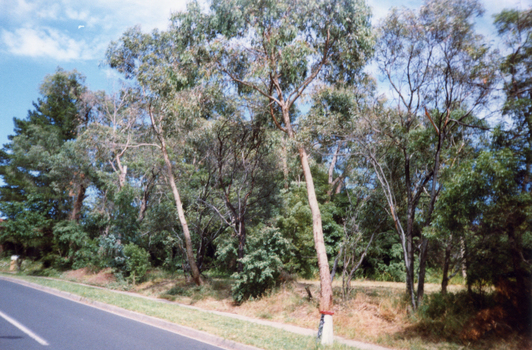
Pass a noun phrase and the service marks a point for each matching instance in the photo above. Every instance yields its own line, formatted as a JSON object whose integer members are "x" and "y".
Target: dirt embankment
{"x": 84, "y": 275}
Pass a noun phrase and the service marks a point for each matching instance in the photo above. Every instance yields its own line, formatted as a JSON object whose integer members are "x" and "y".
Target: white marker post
{"x": 327, "y": 337}
{"x": 14, "y": 259}
{"x": 325, "y": 330}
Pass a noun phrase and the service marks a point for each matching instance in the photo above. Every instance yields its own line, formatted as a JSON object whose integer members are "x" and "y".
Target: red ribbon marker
{"x": 327, "y": 313}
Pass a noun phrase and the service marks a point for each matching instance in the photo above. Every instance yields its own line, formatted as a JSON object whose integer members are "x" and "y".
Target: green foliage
{"x": 296, "y": 33}
{"x": 124, "y": 222}
{"x": 69, "y": 237}
{"x": 483, "y": 203}
{"x": 226, "y": 254}
{"x": 446, "y": 315}
{"x": 87, "y": 256}
{"x": 137, "y": 262}
{"x": 394, "y": 269}
{"x": 28, "y": 223}
{"x": 281, "y": 57}
{"x": 28, "y": 160}
{"x": 111, "y": 251}
{"x": 515, "y": 28}
{"x": 266, "y": 251}
{"x": 295, "y": 223}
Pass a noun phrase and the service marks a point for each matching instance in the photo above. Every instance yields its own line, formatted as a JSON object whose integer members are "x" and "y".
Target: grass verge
{"x": 229, "y": 328}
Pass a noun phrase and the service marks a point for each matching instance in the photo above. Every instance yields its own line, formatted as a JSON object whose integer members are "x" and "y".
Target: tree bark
{"x": 326, "y": 295}
{"x": 446, "y": 262}
{"x": 409, "y": 249}
{"x": 284, "y": 158}
{"x": 463, "y": 258}
{"x": 143, "y": 207}
{"x": 422, "y": 269}
{"x": 76, "y": 210}
{"x": 179, "y": 206}
{"x": 181, "y": 214}
{"x": 333, "y": 164}
{"x": 241, "y": 245}
{"x": 433, "y": 195}
{"x": 145, "y": 197}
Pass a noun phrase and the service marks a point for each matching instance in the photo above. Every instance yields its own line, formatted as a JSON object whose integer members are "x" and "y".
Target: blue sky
{"x": 37, "y": 36}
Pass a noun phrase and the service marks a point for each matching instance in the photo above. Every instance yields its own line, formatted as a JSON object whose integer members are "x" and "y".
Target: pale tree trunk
{"x": 241, "y": 244}
{"x": 406, "y": 238}
{"x": 340, "y": 184}
{"x": 179, "y": 206}
{"x": 122, "y": 170}
{"x": 284, "y": 158}
{"x": 333, "y": 164}
{"x": 463, "y": 258}
{"x": 122, "y": 175}
{"x": 326, "y": 293}
{"x": 326, "y": 296}
{"x": 181, "y": 214}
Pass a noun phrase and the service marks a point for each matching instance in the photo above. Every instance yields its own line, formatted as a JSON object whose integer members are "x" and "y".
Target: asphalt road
{"x": 31, "y": 319}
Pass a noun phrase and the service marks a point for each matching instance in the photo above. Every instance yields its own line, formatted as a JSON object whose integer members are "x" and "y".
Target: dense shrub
{"x": 262, "y": 264}
{"x": 77, "y": 249}
{"x": 450, "y": 315}
{"x": 87, "y": 255}
{"x": 111, "y": 251}
{"x": 137, "y": 262}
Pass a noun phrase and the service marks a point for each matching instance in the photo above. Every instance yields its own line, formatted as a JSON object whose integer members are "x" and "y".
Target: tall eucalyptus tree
{"x": 440, "y": 73}
{"x": 173, "y": 101}
{"x": 279, "y": 49}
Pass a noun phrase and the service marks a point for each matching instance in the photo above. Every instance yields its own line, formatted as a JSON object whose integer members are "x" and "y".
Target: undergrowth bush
{"x": 218, "y": 290}
{"x": 391, "y": 269}
{"x": 137, "y": 262}
{"x": 262, "y": 264}
{"x": 179, "y": 290}
{"x": 87, "y": 256}
{"x": 446, "y": 315}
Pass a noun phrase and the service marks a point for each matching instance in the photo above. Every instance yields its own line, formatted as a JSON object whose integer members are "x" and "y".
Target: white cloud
{"x": 111, "y": 74}
{"x": 76, "y": 15}
{"x": 51, "y": 12}
{"x": 381, "y": 8}
{"x": 496, "y": 6}
{"x": 17, "y": 8}
{"x": 49, "y": 29}
{"x": 115, "y": 14}
{"x": 43, "y": 43}
{"x": 149, "y": 14}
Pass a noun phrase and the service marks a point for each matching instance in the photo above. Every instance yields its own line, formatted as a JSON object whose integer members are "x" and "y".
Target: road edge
{"x": 188, "y": 332}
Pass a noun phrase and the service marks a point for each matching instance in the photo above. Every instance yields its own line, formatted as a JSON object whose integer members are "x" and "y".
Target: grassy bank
{"x": 240, "y": 331}
{"x": 375, "y": 311}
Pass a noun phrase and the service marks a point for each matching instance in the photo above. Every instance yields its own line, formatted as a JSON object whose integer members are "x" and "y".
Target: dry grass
{"x": 429, "y": 287}
{"x": 84, "y": 275}
{"x": 376, "y": 312}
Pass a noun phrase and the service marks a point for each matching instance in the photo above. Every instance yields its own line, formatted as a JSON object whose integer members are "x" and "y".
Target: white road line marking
{"x": 24, "y": 329}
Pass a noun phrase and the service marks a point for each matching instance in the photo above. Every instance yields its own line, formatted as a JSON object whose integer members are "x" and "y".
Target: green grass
{"x": 229, "y": 328}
